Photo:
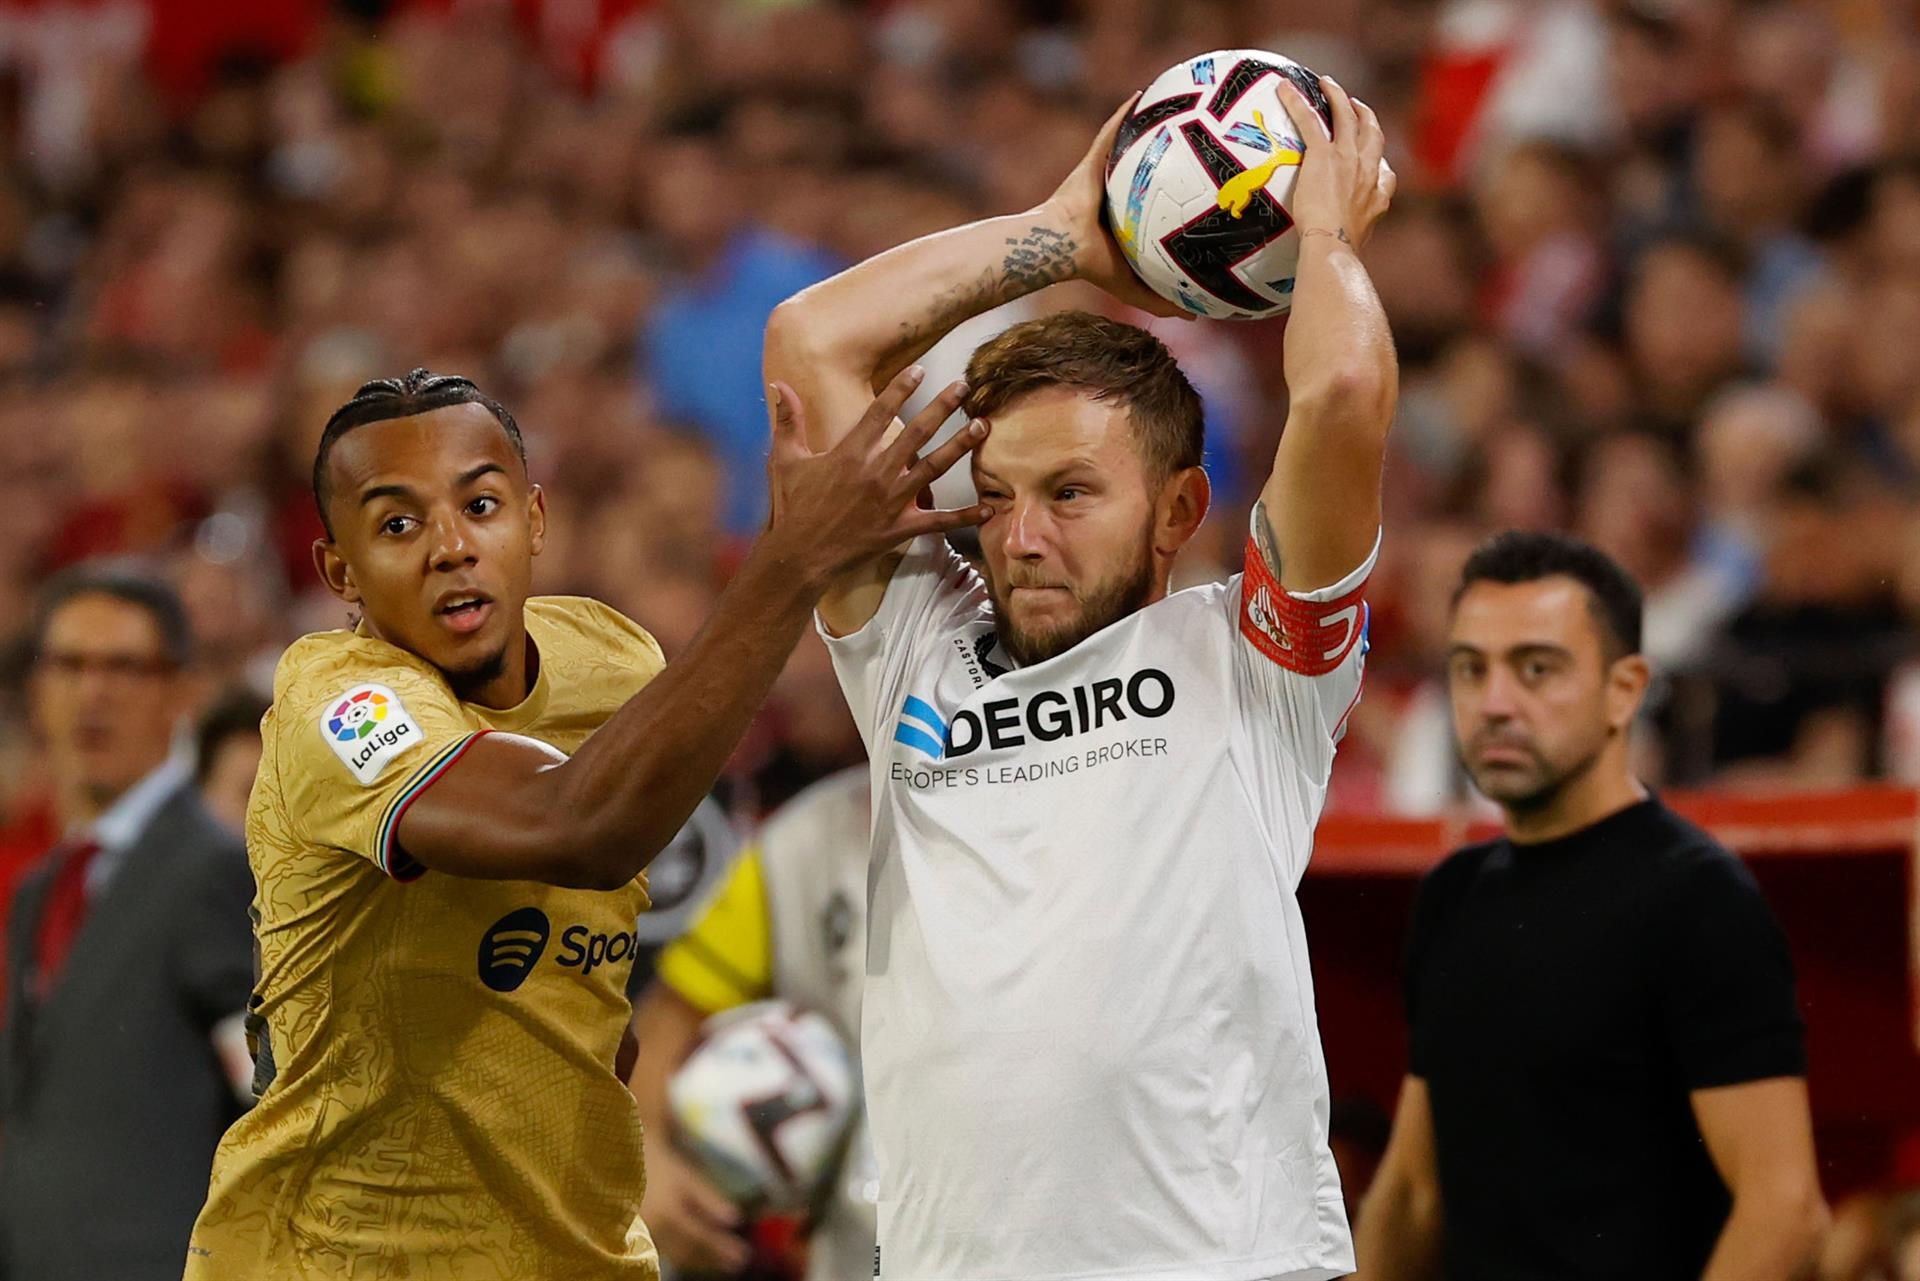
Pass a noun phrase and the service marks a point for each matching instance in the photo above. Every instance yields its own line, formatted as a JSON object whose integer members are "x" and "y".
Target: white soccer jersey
{"x": 813, "y": 861}
{"x": 1089, "y": 1034}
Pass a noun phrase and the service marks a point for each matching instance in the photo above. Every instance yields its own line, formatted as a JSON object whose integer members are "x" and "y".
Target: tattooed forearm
{"x": 1040, "y": 258}
{"x": 1263, "y": 537}
{"x": 949, "y": 307}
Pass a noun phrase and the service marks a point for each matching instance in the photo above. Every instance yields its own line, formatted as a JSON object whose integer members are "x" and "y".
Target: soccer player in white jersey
{"x": 789, "y": 922}
{"x": 1088, "y": 1030}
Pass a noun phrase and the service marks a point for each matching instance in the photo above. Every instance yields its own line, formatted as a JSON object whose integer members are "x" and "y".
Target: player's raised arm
{"x": 1321, "y": 504}
{"x": 510, "y": 807}
{"x": 839, "y": 341}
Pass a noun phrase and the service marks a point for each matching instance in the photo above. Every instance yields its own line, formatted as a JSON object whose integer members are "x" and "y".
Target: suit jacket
{"x": 112, "y": 1097}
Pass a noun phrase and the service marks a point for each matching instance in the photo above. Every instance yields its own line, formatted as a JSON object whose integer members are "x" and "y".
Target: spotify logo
{"x": 510, "y": 949}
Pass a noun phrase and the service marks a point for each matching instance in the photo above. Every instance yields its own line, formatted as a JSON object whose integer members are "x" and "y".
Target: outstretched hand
{"x": 840, "y": 507}
{"x": 1345, "y": 183}
{"x": 1077, "y": 205}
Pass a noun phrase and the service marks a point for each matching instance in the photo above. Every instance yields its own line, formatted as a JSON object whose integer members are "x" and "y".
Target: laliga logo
{"x": 358, "y": 715}
{"x": 367, "y": 728}
{"x": 357, "y": 720}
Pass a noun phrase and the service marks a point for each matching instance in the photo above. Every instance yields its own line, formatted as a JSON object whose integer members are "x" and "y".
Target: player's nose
{"x": 450, "y": 547}
{"x": 1026, "y": 530}
{"x": 1497, "y": 696}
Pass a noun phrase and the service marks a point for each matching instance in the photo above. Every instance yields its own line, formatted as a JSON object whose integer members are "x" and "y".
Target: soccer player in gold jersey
{"x": 457, "y": 801}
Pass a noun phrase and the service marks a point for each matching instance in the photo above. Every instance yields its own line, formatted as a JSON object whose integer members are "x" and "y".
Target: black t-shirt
{"x": 1565, "y": 998}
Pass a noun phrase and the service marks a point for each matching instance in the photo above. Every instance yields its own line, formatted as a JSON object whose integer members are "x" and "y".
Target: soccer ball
{"x": 765, "y": 1102}
{"x": 1198, "y": 183}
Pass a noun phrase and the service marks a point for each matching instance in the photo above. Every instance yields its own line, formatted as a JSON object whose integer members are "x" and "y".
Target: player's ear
{"x": 1184, "y": 500}
{"x": 333, "y": 570}
{"x": 536, "y": 518}
{"x": 1627, "y": 681}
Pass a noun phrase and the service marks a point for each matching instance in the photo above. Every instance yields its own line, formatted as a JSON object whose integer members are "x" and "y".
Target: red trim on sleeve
{"x": 395, "y": 861}
{"x": 1308, "y": 637}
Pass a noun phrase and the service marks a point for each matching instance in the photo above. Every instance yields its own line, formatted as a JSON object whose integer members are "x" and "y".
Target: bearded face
{"x": 1532, "y": 688}
{"x": 1039, "y": 616}
{"x": 1069, "y": 546}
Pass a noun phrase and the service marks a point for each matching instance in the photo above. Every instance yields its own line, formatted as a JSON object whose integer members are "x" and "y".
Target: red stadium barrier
{"x": 1862, "y": 820}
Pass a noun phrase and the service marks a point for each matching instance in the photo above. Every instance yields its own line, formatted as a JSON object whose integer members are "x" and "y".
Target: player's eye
{"x": 1070, "y": 493}
{"x": 485, "y": 505}
{"x": 396, "y": 525}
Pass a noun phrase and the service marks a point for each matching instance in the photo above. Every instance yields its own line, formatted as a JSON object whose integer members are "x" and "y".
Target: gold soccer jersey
{"x": 437, "y": 1053}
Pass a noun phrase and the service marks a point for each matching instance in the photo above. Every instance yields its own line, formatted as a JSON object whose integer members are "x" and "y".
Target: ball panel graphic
{"x": 1198, "y": 182}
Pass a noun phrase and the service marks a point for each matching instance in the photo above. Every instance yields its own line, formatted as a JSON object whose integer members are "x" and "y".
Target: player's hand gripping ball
{"x": 765, "y": 1103}
{"x": 1199, "y": 181}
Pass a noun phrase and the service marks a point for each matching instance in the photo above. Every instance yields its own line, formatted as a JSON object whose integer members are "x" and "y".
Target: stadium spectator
{"x": 226, "y": 754}
{"x": 1614, "y": 216}
{"x": 1799, "y": 676}
{"x": 1637, "y": 504}
{"x": 1539, "y": 209}
{"x": 129, "y": 955}
{"x": 1683, "y": 322}
{"x": 1749, "y": 439}
{"x": 1749, "y": 200}
{"x": 700, "y": 350}
{"x": 1607, "y": 1063}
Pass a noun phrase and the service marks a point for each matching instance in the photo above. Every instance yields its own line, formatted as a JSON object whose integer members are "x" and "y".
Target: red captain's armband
{"x": 1308, "y": 637}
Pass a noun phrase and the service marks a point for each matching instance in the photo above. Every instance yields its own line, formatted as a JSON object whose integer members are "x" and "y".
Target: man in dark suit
{"x": 129, "y": 955}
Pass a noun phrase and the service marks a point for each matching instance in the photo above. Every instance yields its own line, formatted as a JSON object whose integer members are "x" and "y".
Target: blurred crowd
{"x": 1654, "y": 273}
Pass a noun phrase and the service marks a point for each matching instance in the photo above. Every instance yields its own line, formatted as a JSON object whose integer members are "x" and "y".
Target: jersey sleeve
{"x": 354, "y": 744}
{"x": 1303, "y": 653}
{"x": 1729, "y": 1006}
{"x": 726, "y": 958}
{"x": 931, "y": 593}
{"x": 1297, "y": 661}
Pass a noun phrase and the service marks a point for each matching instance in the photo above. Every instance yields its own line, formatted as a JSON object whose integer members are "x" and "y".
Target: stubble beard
{"x": 1533, "y": 790}
{"x": 1125, "y": 593}
{"x": 471, "y": 679}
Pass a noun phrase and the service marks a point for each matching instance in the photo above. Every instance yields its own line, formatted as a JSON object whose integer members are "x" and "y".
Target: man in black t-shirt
{"x": 1607, "y": 1063}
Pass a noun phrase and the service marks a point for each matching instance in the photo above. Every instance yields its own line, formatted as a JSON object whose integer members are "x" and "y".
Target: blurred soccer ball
{"x": 1199, "y": 179}
{"x": 764, "y": 1103}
